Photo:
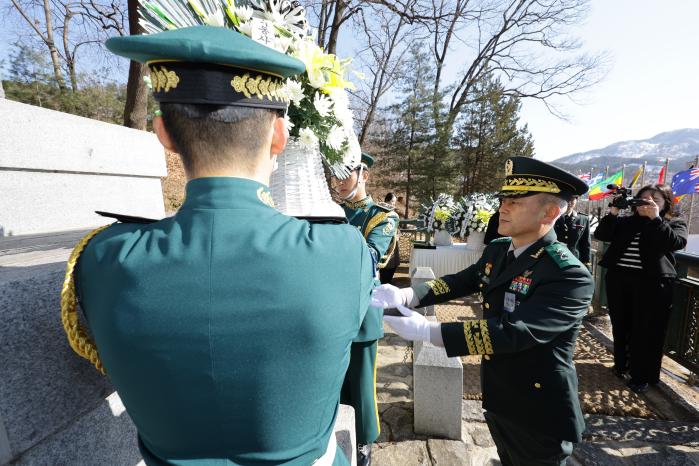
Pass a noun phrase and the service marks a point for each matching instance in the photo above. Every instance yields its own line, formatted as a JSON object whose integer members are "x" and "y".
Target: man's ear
{"x": 553, "y": 211}
{"x": 279, "y": 136}
{"x": 365, "y": 175}
{"x": 163, "y": 135}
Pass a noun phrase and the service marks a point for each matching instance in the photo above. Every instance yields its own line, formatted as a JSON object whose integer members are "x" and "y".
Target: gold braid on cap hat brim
{"x": 78, "y": 336}
{"x": 530, "y": 184}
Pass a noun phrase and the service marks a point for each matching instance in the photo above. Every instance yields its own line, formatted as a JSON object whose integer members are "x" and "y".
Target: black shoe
{"x": 637, "y": 387}
{"x": 363, "y": 455}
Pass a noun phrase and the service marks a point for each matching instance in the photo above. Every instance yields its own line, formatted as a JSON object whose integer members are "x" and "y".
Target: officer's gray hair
{"x": 214, "y": 136}
{"x": 546, "y": 198}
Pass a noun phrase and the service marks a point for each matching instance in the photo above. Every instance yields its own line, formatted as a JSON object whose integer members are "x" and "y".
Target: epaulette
{"x": 504, "y": 239}
{"x": 561, "y": 255}
{"x": 127, "y": 218}
{"x": 384, "y": 206}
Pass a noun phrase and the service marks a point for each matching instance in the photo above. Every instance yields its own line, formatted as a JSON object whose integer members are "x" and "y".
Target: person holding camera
{"x": 641, "y": 269}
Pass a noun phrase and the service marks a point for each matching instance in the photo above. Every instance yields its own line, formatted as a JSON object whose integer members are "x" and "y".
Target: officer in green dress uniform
{"x": 226, "y": 328}
{"x": 378, "y": 223}
{"x": 535, "y": 293}
{"x": 573, "y": 230}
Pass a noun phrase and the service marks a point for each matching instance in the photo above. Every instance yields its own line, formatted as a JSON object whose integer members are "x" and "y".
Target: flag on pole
{"x": 661, "y": 176}
{"x": 585, "y": 177}
{"x": 686, "y": 182}
{"x": 595, "y": 179}
{"x": 636, "y": 176}
{"x": 599, "y": 190}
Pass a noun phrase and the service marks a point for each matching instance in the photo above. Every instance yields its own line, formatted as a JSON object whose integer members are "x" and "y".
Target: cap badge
{"x": 508, "y": 167}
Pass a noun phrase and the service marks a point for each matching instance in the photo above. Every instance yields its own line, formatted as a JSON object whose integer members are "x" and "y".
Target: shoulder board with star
{"x": 384, "y": 206}
{"x": 562, "y": 256}
{"x": 127, "y": 218}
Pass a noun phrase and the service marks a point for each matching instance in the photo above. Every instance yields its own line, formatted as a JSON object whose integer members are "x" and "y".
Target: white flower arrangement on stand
{"x": 473, "y": 213}
{"x": 439, "y": 219}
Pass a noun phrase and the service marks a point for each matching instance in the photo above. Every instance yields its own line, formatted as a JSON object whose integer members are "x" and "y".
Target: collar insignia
{"x": 538, "y": 253}
{"x": 265, "y": 197}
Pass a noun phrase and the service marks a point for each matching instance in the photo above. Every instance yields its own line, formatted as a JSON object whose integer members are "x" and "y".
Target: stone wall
{"x": 56, "y": 169}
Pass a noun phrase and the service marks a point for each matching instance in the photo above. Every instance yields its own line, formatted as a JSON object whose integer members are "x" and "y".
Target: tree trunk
{"x": 136, "y": 105}
{"x": 58, "y": 74}
{"x": 340, "y": 7}
{"x": 2, "y": 91}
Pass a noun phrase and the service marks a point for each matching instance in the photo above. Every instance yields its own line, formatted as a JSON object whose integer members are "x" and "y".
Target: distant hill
{"x": 680, "y": 146}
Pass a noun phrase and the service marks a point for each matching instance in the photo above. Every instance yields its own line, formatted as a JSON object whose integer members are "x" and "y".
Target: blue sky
{"x": 653, "y": 85}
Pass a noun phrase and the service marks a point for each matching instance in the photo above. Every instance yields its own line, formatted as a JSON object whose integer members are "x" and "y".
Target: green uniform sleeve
{"x": 556, "y": 306}
{"x": 380, "y": 234}
{"x": 449, "y": 287}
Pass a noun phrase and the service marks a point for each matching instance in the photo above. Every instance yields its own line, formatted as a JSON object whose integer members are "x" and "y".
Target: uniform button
{"x": 486, "y": 357}
{"x": 537, "y": 385}
{"x": 487, "y": 306}
{"x": 480, "y": 286}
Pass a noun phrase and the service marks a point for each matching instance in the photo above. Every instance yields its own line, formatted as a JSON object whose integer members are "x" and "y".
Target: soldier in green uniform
{"x": 535, "y": 294}
{"x": 226, "y": 328}
{"x": 573, "y": 230}
{"x": 378, "y": 224}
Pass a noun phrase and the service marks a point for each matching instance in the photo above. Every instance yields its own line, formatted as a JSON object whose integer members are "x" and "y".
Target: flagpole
{"x": 623, "y": 169}
{"x": 643, "y": 174}
{"x": 667, "y": 167}
{"x": 691, "y": 202}
{"x": 588, "y": 196}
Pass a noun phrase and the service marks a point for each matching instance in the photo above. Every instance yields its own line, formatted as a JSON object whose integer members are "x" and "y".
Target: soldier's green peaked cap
{"x": 525, "y": 176}
{"x": 367, "y": 160}
{"x": 210, "y": 65}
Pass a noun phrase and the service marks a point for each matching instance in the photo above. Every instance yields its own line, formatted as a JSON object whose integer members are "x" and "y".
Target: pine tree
{"x": 487, "y": 134}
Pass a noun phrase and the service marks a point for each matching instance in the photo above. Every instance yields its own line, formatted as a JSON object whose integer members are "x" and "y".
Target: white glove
{"x": 389, "y": 296}
{"x": 413, "y": 326}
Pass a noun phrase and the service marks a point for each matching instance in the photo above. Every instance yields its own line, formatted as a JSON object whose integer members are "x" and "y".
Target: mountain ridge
{"x": 680, "y": 146}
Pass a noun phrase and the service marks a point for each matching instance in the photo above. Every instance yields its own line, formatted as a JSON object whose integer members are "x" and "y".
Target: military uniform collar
{"x": 520, "y": 249}
{"x": 527, "y": 259}
{"x": 226, "y": 192}
{"x": 360, "y": 204}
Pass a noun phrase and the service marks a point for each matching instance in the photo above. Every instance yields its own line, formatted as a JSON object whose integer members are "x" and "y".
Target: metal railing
{"x": 682, "y": 340}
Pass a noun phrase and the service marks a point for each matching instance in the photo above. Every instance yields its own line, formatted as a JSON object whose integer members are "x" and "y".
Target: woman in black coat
{"x": 641, "y": 269}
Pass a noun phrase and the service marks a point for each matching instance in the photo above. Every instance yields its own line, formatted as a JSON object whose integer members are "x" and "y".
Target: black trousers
{"x": 386, "y": 274}
{"x": 639, "y": 308}
{"x": 519, "y": 446}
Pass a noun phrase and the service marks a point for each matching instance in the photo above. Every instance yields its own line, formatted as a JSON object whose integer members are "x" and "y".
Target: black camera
{"x": 623, "y": 198}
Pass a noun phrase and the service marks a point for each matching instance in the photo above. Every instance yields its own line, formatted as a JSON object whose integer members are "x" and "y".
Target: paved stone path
{"x": 609, "y": 440}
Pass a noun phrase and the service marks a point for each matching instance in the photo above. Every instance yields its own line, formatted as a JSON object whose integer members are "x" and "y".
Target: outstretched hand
{"x": 387, "y": 296}
{"x": 413, "y": 326}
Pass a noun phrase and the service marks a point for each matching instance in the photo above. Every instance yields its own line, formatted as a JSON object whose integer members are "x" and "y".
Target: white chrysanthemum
{"x": 308, "y": 138}
{"x": 246, "y": 28}
{"x": 215, "y": 19}
{"x": 275, "y": 17}
{"x": 322, "y": 104}
{"x": 287, "y": 123}
{"x": 244, "y": 13}
{"x": 282, "y": 43}
{"x": 294, "y": 91}
{"x": 336, "y": 137}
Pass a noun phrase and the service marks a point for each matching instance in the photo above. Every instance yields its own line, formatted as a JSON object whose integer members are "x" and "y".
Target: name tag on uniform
{"x": 509, "y": 305}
